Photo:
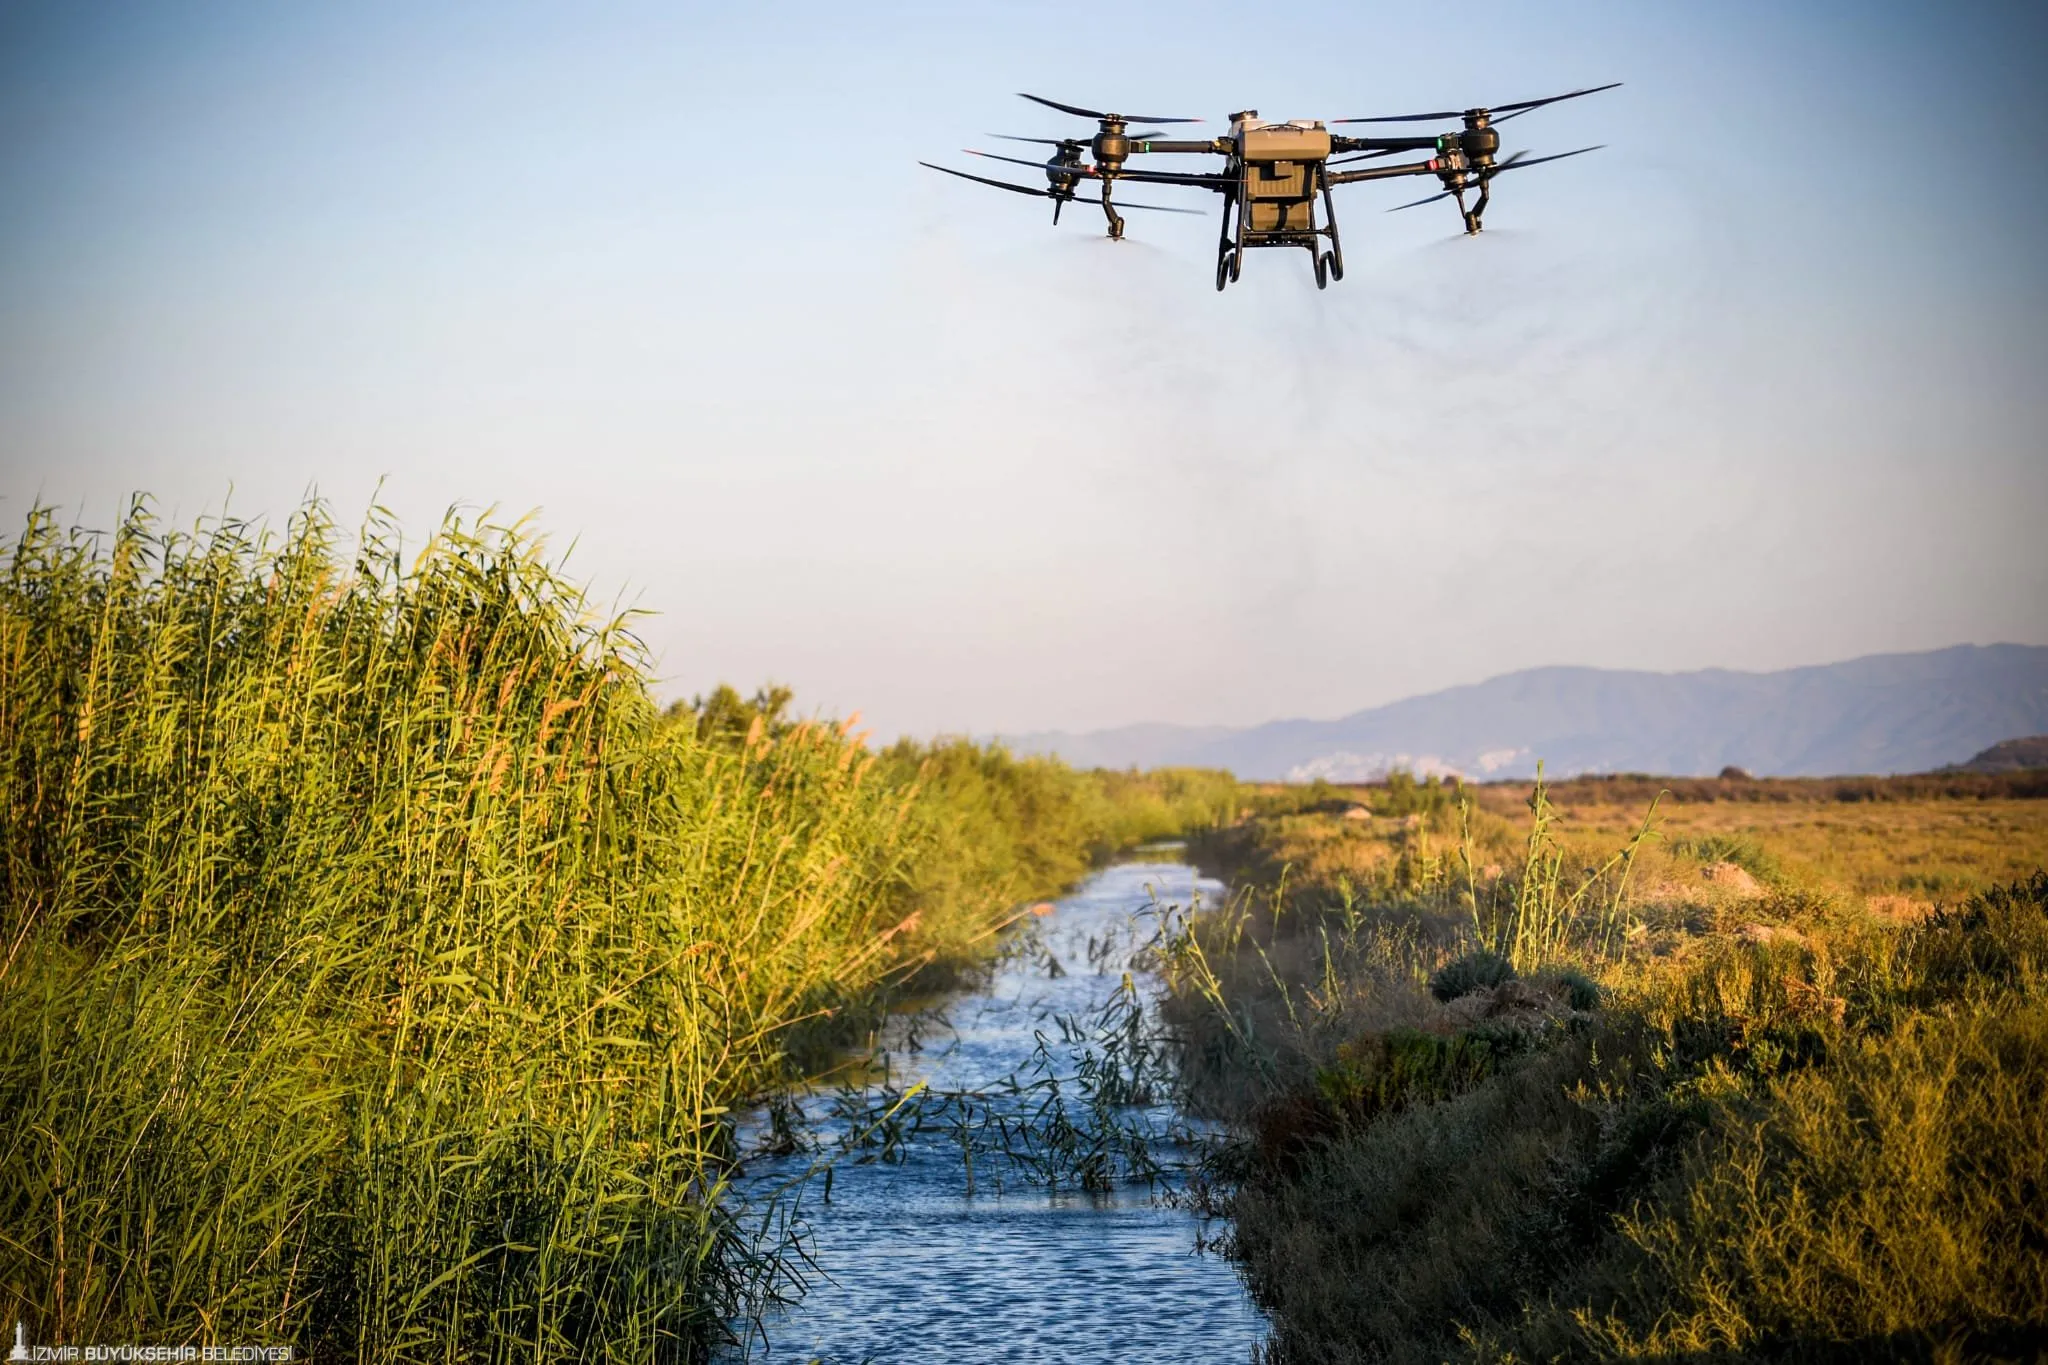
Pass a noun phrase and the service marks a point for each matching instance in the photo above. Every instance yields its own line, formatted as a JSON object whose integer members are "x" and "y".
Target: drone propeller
{"x": 1516, "y": 162}
{"x": 1418, "y": 203}
{"x": 1089, "y": 171}
{"x": 1509, "y": 164}
{"x": 1530, "y": 106}
{"x": 1513, "y": 163}
{"x": 1079, "y": 112}
{"x": 1516, "y": 109}
{"x": 1073, "y": 169}
{"x": 1407, "y": 118}
{"x": 1048, "y": 194}
{"x": 1073, "y": 141}
{"x": 1366, "y": 156}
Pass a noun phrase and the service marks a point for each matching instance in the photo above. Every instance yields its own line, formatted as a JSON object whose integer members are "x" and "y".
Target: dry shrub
{"x": 1824, "y": 1146}
{"x": 1374, "y": 1244}
{"x": 1883, "y": 1205}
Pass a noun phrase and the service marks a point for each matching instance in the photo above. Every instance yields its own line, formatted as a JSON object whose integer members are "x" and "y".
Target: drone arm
{"x": 1339, "y": 144}
{"x": 1218, "y": 146}
{"x": 1196, "y": 180}
{"x": 1429, "y": 167}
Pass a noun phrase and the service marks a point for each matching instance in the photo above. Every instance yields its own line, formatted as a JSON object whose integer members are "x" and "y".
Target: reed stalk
{"x": 382, "y": 966}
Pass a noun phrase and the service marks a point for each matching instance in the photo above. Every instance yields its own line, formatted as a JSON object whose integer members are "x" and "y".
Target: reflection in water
{"x": 914, "y": 1268}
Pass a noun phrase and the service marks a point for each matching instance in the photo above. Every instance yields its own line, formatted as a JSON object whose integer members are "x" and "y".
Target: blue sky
{"x": 1757, "y": 385}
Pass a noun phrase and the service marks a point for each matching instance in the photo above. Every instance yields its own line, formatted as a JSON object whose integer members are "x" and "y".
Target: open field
{"x": 1906, "y": 842}
{"x": 1749, "y": 1079}
{"x": 1916, "y": 852}
{"x": 382, "y": 967}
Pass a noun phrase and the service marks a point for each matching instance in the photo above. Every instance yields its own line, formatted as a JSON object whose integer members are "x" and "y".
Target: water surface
{"x": 921, "y": 1270}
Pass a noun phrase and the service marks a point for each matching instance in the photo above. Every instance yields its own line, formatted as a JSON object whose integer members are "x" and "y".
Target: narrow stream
{"x": 913, "y": 1267}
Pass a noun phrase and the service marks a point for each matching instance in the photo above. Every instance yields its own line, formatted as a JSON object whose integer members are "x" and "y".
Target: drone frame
{"x": 1275, "y": 173}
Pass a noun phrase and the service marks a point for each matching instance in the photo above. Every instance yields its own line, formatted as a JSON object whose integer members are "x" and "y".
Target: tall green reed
{"x": 1540, "y": 918}
{"x": 381, "y": 967}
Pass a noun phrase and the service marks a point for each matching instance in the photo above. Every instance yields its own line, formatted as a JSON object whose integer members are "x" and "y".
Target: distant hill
{"x": 2008, "y": 756}
{"x": 1127, "y": 746}
{"x": 1887, "y": 713}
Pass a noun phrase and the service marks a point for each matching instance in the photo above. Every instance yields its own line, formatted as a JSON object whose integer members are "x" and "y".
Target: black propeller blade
{"x": 1040, "y": 193}
{"x": 1365, "y": 156}
{"x": 1516, "y": 163}
{"x": 1093, "y": 172}
{"x": 1406, "y": 118}
{"x": 1524, "y": 106}
{"x": 1513, "y": 163}
{"x": 1418, "y": 203}
{"x": 1516, "y": 109}
{"x": 1097, "y": 115}
{"x": 1509, "y": 164}
{"x": 1073, "y": 141}
{"x": 1148, "y": 208}
{"x": 1048, "y": 194}
{"x": 1041, "y": 165}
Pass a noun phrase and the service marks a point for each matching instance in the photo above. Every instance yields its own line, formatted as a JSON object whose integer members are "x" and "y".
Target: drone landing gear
{"x": 1229, "y": 248}
{"x": 1225, "y": 258}
{"x": 1329, "y": 265}
{"x": 1473, "y": 215}
{"x": 1234, "y": 235}
{"x": 1116, "y": 222}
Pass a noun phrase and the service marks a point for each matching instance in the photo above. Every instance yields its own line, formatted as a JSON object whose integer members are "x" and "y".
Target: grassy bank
{"x": 1531, "y": 1084}
{"x": 381, "y": 964}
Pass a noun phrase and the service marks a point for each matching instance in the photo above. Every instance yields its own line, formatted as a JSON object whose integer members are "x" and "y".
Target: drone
{"x": 1274, "y": 173}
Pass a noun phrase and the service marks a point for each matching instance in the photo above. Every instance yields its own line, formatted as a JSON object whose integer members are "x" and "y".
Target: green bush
{"x": 1378, "y": 1075}
{"x": 1995, "y": 943}
{"x": 1402, "y": 795}
{"x": 1474, "y": 971}
{"x": 1741, "y": 849}
{"x": 1884, "y": 1206}
{"x": 1581, "y": 992}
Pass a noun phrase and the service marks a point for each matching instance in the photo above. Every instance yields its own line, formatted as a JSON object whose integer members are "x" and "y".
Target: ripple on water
{"x": 920, "y": 1271}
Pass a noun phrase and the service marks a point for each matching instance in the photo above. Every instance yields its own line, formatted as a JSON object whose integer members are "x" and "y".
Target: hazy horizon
{"x": 1144, "y": 722}
{"x": 1757, "y": 386}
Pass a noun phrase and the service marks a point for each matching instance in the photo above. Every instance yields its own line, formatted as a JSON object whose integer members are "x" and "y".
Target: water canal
{"x": 991, "y": 1217}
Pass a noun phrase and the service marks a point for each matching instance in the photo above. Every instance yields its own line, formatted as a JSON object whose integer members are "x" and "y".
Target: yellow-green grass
{"x": 381, "y": 966}
{"x": 1897, "y": 856}
{"x": 1906, "y": 851}
{"x": 1786, "y": 1114}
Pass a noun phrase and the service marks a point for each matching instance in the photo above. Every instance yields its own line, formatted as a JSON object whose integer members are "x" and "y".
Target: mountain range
{"x": 1885, "y": 713}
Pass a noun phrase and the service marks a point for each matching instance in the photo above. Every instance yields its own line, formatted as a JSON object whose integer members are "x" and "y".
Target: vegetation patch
{"x": 1480, "y": 970}
{"x": 382, "y": 966}
{"x": 1525, "y": 1098}
{"x": 1742, "y": 850}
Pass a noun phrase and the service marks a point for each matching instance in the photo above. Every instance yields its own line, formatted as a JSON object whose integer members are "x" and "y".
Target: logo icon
{"x": 20, "y": 1351}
